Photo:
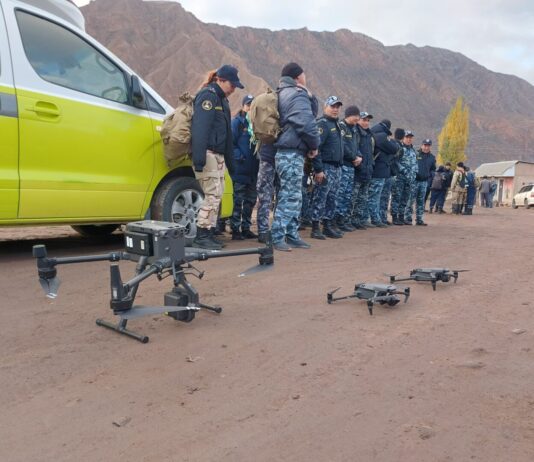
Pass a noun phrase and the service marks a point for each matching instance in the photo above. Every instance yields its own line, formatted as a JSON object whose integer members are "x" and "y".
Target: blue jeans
{"x": 289, "y": 167}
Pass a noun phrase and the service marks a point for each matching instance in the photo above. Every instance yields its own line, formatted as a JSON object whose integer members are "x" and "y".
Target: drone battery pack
{"x": 138, "y": 243}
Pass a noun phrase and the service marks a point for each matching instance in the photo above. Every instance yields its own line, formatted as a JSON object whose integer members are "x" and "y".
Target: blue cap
{"x": 247, "y": 100}
{"x": 365, "y": 115}
{"x": 408, "y": 133}
{"x": 427, "y": 141}
{"x": 332, "y": 101}
{"x": 229, "y": 73}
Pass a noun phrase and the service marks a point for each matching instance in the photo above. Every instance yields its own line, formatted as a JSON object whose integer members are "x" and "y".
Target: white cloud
{"x": 497, "y": 34}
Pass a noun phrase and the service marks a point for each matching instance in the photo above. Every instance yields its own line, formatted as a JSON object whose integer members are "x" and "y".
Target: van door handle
{"x": 45, "y": 109}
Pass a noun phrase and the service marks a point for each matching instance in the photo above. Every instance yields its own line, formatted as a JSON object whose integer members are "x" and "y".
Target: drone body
{"x": 432, "y": 275}
{"x": 373, "y": 293}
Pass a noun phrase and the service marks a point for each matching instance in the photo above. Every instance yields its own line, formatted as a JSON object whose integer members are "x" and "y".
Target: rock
{"x": 122, "y": 422}
{"x": 519, "y": 331}
{"x": 295, "y": 397}
{"x": 425, "y": 432}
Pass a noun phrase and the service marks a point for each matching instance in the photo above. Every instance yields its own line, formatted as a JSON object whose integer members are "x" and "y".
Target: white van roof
{"x": 63, "y": 9}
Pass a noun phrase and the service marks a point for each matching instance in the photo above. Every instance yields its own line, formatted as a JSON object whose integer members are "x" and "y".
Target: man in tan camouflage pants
{"x": 211, "y": 180}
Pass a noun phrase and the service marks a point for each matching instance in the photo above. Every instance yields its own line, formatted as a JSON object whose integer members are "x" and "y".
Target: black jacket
{"x": 364, "y": 171}
{"x": 351, "y": 143}
{"x": 331, "y": 145}
{"x": 384, "y": 153}
{"x": 210, "y": 127}
{"x": 298, "y": 110}
{"x": 426, "y": 166}
{"x": 448, "y": 181}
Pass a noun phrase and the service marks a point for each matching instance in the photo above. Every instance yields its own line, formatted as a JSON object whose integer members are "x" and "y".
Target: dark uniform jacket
{"x": 364, "y": 171}
{"x": 426, "y": 166}
{"x": 385, "y": 151}
{"x": 246, "y": 164}
{"x": 331, "y": 145}
{"x": 448, "y": 178}
{"x": 210, "y": 127}
{"x": 351, "y": 143}
{"x": 298, "y": 110}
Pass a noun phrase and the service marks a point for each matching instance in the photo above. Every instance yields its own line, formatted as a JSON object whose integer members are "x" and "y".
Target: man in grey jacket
{"x": 299, "y": 138}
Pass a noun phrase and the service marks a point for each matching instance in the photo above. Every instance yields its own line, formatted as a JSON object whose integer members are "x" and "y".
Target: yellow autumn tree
{"x": 454, "y": 136}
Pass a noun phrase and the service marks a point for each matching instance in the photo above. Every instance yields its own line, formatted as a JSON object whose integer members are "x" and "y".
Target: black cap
{"x": 292, "y": 70}
{"x": 428, "y": 142}
{"x": 386, "y": 123}
{"x": 460, "y": 164}
{"x": 352, "y": 111}
{"x": 399, "y": 133}
{"x": 229, "y": 73}
{"x": 247, "y": 100}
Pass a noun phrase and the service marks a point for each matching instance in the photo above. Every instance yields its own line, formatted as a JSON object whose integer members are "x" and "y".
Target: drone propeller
{"x": 255, "y": 269}
{"x": 461, "y": 271}
{"x": 50, "y": 286}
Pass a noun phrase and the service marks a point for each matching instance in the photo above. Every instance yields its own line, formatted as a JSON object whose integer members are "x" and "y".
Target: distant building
{"x": 510, "y": 176}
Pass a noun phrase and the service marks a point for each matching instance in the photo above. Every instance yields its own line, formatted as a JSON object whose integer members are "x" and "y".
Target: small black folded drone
{"x": 373, "y": 293}
{"x": 432, "y": 275}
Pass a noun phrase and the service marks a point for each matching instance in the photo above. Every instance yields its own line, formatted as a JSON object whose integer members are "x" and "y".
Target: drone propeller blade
{"x": 461, "y": 271}
{"x": 254, "y": 270}
{"x": 50, "y": 286}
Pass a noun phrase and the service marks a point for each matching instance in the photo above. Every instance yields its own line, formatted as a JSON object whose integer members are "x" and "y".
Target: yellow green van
{"x": 79, "y": 130}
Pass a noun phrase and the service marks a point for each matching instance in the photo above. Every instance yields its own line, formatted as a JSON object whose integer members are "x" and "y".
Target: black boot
{"x": 329, "y": 231}
{"x": 262, "y": 237}
{"x": 203, "y": 240}
{"x": 333, "y": 224}
{"x": 236, "y": 235}
{"x": 213, "y": 237}
{"x": 316, "y": 231}
{"x": 397, "y": 221}
{"x": 344, "y": 225}
{"x": 248, "y": 234}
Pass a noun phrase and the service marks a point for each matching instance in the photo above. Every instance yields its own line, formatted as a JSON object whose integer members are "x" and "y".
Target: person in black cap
{"x": 299, "y": 137}
{"x": 426, "y": 167}
{"x": 245, "y": 174}
{"x": 212, "y": 148}
{"x": 351, "y": 159}
{"x": 327, "y": 171}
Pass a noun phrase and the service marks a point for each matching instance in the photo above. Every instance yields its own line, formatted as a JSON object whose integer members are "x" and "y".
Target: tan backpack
{"x": 176, "y": 129}
{"x": 264, "y": 117}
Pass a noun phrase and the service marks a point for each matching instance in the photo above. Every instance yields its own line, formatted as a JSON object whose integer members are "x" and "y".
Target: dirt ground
{"x": 280, "y": 375}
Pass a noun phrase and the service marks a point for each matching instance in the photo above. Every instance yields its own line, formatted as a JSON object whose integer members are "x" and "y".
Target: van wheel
{"x": 514, "y": 205}
{"x": 527, "y": 206}
{"x": 95, "y": 230}
{"x": 178, "y": 200}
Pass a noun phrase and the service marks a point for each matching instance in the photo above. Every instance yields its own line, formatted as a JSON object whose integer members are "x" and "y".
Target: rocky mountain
{"x": 414, "y": 87}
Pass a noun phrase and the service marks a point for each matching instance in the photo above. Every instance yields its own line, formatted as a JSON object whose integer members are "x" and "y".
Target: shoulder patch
{"x": 207, "y": 105}
{"x": 321, "y": 130}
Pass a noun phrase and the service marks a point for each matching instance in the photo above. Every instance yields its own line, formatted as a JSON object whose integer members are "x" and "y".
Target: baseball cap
{"x": 365, "y": 115}
{"x": 408, "y": 133}
{"x": 229, "y": 73}
{"x": 427, "y": 141}
{"x": 332, "y": 101}
{"x": 247, "y": 100}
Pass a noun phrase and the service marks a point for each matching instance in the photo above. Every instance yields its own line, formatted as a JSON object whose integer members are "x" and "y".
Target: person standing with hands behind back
{"x": 212, "y": 146}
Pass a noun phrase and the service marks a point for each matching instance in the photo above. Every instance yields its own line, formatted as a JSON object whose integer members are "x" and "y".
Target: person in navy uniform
{"x": 212, "y": 148}
{"x": 245, "y": 175}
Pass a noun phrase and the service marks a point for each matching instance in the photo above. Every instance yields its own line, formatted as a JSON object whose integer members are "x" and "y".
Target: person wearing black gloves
{"x": 212, "y": 146}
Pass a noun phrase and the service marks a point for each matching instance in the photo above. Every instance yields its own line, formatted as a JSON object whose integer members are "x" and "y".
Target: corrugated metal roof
{"x": 497, "y": 169}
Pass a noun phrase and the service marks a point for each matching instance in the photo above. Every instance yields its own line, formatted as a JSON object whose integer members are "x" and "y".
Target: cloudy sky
{"x": 497, "y": 34}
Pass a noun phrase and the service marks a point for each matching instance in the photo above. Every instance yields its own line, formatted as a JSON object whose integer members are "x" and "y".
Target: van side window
{"x": 63, "y": 58}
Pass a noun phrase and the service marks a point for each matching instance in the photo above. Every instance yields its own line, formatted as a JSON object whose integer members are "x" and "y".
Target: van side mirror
{"x": 138, "y": 95}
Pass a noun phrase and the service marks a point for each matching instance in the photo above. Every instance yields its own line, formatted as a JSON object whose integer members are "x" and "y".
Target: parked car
{"x": 80, "y": 140}
{"x": 525, "y": 197}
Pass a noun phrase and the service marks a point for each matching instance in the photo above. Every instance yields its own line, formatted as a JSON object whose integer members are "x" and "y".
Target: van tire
{"x": 178, "y": 200}
{"x": 514, "y": 205}
{"x": 95, "y": 230}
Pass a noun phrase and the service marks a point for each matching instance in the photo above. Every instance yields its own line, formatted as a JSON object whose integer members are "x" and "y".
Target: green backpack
{"x": 176, "y": 130}
{"x": 264, "y": 117}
